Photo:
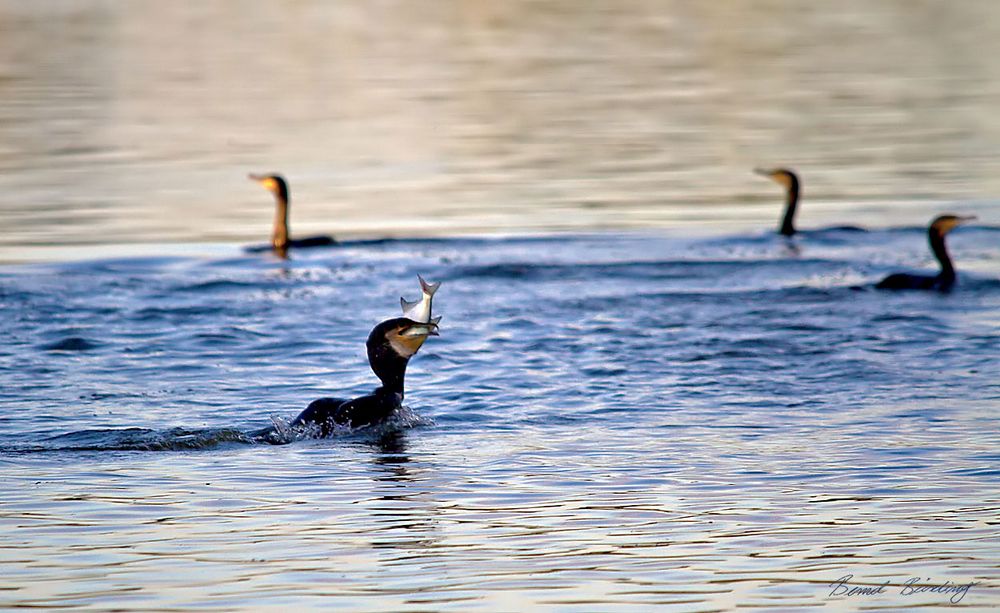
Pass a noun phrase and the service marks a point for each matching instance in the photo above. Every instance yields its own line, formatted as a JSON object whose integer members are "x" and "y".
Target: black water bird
{"x": 790, "y": 181}
{"x": 944, "y": 280}
{"x": 390, "y": 345}
{"x": 280, "y": 240}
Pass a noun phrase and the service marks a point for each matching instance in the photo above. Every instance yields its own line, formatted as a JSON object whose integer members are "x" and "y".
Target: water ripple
{"x": 690, "y": 429}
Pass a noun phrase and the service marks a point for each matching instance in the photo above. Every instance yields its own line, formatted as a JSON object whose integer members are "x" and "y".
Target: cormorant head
{"x": 405, "y": 336}
{"x": 392, "y": 343}
{"x": 782, "y": 176}
{"x": 946, "y": 223}
{"x": 272, "y": 183}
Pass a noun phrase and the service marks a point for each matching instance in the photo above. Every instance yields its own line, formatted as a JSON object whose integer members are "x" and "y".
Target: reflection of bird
{"x": 943, "y": 280}
{"x": 391, "y": 344}
{"x": 790, "y": 181}
{"x": 280, "y": 240}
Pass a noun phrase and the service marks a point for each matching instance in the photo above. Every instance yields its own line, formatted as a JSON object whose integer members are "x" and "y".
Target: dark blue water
{"x": 606, "y": 420}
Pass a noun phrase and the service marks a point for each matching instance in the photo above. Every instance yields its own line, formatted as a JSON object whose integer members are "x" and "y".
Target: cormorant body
{"x": 944, "y": 280}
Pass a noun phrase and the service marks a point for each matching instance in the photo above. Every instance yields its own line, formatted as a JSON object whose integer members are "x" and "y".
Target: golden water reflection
{"x": 137, "y": 122}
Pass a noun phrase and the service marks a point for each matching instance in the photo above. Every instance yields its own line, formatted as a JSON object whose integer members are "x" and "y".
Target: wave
{"x": 141, "y": 439}
{"x": 194, "y": 439}
{"x": 71, "y": 344}
{"x": 643, "y": 269}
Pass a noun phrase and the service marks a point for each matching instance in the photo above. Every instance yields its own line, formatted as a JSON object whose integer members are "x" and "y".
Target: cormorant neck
{"x": 389, "y": 367}
{"x": 941, "y": 253}
{"x": 787, "y": 226}
{"x": 279, "y": 236}
{"x": 393, "y": 382}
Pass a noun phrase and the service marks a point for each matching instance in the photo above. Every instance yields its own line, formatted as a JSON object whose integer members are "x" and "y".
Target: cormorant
{"x": 790, "y": 181}
{"x": 944, "y": 280}
{"x": 280, "y": 241}
{"x": 391, "y": 344}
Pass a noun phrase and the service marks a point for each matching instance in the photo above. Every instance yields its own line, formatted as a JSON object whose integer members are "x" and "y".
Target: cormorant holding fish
{"x": 390, "y": 345}
{"x": 945, "y": 279}
{"x": 280, "y": 241}
{"x": 790, "y": 181}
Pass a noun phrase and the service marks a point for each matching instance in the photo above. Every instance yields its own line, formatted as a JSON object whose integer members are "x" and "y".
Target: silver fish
{"x": 420, "y": 310}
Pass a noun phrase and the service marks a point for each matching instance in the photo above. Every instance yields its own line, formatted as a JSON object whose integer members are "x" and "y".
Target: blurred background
{"x": 135, "y": 123}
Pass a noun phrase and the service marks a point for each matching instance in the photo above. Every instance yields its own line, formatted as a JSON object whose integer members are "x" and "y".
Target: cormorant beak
{"x": 948, "y": 223}
{"x": 960, "y": 221}
{"x": 267, "y": 182}
{"x": 421, "y": 329}
{"x": 773, "y": 174}
{"x": 779, "y": 175}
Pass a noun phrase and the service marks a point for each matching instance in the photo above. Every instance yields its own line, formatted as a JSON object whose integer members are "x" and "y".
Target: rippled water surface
{"x": 605, "y": 420}
{"x": 641, "y": 397}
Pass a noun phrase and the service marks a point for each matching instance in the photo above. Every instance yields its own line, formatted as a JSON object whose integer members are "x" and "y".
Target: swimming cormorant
{"x": 391, "y": 344}
{"x": 280, "y": 241}
{"x": 790, "y": 181}
{"x": 944, "y": 279}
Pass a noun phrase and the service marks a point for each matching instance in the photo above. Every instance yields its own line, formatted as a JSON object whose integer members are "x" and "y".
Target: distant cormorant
{"x": 790, "y": 181}
{"x": 280, "y": 240}
{"x": 945, "y": 279}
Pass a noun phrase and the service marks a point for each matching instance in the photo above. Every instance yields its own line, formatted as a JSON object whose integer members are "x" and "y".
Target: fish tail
{"x": 435, "y": 320}
{"x": 428, "y": 288}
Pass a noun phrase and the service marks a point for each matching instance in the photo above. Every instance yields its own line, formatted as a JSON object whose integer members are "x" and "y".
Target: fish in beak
{"x": 420, "y": 310}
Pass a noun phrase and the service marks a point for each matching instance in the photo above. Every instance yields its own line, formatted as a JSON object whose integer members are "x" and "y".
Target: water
{"x": 393, "y": 118}
{"x": 642, "y": 398}
{"x": 605, "y": 420}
